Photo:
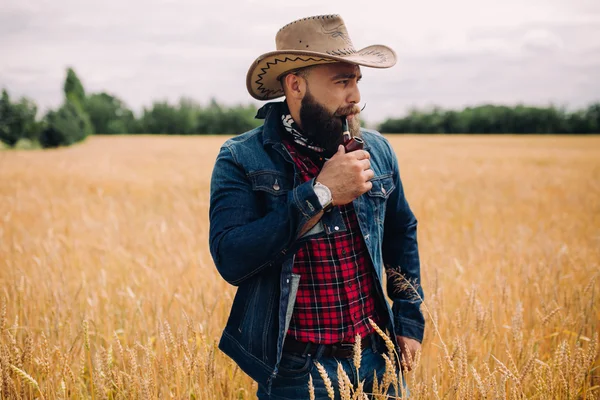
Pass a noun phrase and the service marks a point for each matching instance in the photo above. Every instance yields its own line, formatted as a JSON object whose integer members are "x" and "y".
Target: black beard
{"x": 320, "y": 126}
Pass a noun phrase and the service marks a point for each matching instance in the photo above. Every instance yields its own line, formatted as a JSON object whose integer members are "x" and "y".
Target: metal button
{"x": 383, "y": 190}
{"x": 337, "y": 228}
{"x": 276, "y": 185}
{"x": 287, "y": 281}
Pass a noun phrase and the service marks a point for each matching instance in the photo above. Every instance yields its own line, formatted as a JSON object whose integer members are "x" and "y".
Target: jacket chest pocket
{"x": 271, "y": 188}
{"x": 383, "y": 186}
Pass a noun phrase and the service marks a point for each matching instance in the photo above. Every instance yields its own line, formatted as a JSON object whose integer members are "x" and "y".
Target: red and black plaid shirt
{"x": 337, "y": 292}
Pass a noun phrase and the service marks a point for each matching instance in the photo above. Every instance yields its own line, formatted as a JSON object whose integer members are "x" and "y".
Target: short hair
{"x": 301, "y": 72}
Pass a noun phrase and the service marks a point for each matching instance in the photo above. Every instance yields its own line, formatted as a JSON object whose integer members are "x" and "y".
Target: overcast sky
{"x": 450, "y": 53}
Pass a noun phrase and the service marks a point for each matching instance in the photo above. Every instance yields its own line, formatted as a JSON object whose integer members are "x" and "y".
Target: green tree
{"x": 218, "y": 119}
{"x": 108, "y": 114}
{"x": 188, "y": 112}
{"x": 489, "y": 118}
{"x": 73, "y": 88}
{"x": 25, "y": 112}
{"x": 592, "y": 115}
{"x": 75, "y": 94}
{"x": 18, "y": 120}
{"x": 161, "y": 118}
{"x": 65, "y": 126}
{"x": 6, "y": 119}
{"x": 188, "y": 117}
{"x": 70, "y": 123}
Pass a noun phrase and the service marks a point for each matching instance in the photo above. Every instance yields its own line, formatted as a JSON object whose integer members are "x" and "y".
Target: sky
{"x": 450, "y": 53}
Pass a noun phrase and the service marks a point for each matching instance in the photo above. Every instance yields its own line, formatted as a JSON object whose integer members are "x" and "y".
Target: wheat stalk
{"x": 3, "y": 316}
{"x": 326, "y": 380}
{"x": 27, "y": 378}
{"x": 357, "y": 351}
{"x": 311, "y": 388}
{"x": 344, "y": 383}
{"x": 107, "y": 230}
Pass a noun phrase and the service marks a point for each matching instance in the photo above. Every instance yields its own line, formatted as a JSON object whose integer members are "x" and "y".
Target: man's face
{"x": 331, "y": 93}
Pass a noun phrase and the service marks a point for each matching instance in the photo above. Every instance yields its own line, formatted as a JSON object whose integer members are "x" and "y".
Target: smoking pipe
{"x": 351, "y": 143}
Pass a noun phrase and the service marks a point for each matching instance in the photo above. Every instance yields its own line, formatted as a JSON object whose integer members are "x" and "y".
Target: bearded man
{"x": 305, "y": 230}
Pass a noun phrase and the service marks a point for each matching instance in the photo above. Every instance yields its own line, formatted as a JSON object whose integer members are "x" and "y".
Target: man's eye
{"x": 344, "y": 82}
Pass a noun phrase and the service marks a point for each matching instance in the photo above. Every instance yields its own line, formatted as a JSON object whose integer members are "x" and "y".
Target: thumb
{"x": 341, "y": 150}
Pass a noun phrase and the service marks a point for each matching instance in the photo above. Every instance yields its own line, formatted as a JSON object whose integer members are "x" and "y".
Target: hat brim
{"x": 263, "y": 75}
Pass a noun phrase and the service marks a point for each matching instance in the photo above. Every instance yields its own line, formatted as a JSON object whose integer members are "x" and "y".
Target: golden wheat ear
{"x": 357, "y": 353}
{"x": 27, "y": 378}
{"x": 311, "y": 388}
{"x": 326, "y": 380}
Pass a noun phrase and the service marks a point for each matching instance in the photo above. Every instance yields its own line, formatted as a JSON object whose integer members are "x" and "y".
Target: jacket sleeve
{"x": 401, "y": 259}
{"x": 242, "y": 241}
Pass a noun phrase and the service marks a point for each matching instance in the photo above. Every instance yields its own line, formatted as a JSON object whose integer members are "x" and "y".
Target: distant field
{"x": 109, "y": 290}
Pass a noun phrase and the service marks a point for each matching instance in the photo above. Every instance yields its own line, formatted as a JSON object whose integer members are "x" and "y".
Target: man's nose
{"x": 354, "y": 95}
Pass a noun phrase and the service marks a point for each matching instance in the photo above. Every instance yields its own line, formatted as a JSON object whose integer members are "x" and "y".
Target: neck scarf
{"x": 294, "y": 130}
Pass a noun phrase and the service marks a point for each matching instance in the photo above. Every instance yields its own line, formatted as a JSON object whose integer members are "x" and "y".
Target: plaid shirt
{"x": 337, "y": 292}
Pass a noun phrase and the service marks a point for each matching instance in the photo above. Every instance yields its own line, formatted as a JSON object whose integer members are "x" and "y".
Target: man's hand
{"x": 347, "y": 175}
{"x": 408, "y": 345}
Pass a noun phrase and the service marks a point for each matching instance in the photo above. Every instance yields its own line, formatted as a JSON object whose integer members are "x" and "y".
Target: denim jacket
{"x": 258, "y": 206}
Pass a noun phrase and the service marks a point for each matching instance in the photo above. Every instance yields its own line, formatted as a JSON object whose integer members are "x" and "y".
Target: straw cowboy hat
{"x": 309, "y": 41}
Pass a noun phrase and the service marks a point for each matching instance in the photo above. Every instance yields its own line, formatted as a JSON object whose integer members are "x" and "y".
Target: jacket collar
{"x": 271, "y": 113}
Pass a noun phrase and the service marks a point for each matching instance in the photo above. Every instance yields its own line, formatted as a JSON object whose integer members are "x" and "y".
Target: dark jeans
{"x": 291, "y": 382}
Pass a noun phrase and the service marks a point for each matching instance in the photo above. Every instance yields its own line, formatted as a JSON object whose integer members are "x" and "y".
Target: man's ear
{"x": 294, "y": 86}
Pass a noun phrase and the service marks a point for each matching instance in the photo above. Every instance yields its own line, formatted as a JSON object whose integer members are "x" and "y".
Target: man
{"x": 304, "y": 229}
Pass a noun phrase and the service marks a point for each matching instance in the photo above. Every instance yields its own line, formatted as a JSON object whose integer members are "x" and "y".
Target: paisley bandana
{"x": 294, "y": 130}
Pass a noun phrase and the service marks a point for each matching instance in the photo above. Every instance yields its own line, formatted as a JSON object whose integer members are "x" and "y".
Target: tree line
{"x": 82, "y": 114}
{"x": 520, "y": 119}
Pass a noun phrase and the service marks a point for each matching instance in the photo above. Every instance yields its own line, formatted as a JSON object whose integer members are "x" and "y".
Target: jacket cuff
{"x": 306, "y": 200}
{"x": 408, "y": 320}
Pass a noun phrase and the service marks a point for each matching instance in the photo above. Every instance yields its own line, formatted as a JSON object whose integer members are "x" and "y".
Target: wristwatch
{"x": 324, "y": 195}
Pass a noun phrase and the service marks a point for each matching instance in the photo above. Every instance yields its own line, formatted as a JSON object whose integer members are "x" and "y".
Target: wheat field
{"x": 108, "y": 290}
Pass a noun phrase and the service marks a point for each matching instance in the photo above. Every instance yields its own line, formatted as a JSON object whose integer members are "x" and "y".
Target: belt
{"x": 338, "y": 350}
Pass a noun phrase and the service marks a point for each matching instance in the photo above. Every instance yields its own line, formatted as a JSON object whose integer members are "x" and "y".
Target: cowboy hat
{"x": 309, "y": 41}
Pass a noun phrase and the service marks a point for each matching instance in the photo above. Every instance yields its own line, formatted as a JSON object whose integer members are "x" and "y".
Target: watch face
{"x": 322, "y": 194}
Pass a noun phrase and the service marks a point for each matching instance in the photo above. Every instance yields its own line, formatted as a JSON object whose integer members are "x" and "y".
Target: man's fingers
{"x": 361, "y": 154}
{"x": 340, "y": 152}
{"x": 409, "y": 348}
{"x": 368, "y": 174}
{"x": 366, "y": 164}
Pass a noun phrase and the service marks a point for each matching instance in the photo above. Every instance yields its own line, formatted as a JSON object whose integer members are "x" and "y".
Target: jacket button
{"x": 383, "y": 190}
{"x": 337, "y": 228}
{"x": 276, "y": 186}
{"x": 287, "y": 281}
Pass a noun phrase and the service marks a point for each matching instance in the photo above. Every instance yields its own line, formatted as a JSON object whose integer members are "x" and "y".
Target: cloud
{"x": 450, "y": 53}
{"x": 541, "y": 40}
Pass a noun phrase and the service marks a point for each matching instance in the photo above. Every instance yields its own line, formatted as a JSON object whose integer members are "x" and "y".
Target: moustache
{"x": 345, "y": 111}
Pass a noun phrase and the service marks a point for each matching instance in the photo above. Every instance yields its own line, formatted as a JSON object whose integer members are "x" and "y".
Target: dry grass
{"x": 107, "y": 288}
